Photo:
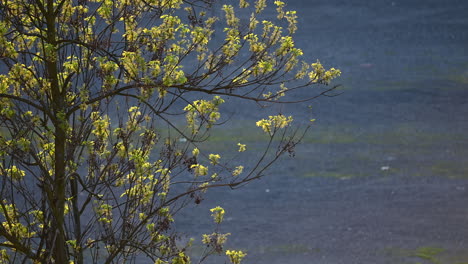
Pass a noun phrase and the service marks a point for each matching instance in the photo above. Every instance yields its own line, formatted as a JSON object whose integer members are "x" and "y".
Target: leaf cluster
{"x": 104, "y": 109}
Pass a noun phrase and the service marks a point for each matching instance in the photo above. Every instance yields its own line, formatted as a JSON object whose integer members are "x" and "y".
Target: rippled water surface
{"x": 383, "y": 175}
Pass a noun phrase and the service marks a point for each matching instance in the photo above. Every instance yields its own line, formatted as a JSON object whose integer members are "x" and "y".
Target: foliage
{"x": 95, "y": 160}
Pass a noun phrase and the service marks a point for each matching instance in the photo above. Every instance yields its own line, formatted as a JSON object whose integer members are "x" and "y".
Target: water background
{"x": 383, "y": 175}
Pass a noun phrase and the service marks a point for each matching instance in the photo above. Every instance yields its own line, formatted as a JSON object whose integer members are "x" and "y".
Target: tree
{"x": 95, "y": 159}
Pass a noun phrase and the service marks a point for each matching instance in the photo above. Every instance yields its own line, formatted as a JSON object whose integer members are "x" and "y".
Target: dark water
{"x": 383, "y": 175}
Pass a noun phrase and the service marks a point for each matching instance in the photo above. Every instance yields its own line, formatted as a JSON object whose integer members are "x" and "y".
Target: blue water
{"x": 383, "y": 173}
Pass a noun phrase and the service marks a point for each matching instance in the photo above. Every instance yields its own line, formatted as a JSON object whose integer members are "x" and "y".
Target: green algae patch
{"x": 449, "y": 169}
{"x": 460, "y": 77}
{"x": 408, "y": 148}
{"x": 410, "y": 134}
{"x": 426, "y": 255}
{"x": 405, "y": 133}
{"x": 330, "y": 137}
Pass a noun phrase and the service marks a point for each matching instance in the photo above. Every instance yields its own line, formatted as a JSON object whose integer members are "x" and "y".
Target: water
{"x": 382, "y": 177}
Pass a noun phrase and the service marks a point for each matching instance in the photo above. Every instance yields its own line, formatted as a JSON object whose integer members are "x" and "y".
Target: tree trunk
{"x": 57, "y": 205}
{"x": 77, "y": 218}
{"x": 60, "y": 249}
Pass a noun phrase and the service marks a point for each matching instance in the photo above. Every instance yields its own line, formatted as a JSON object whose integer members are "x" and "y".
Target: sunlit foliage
{"x": 105, "y": 106}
